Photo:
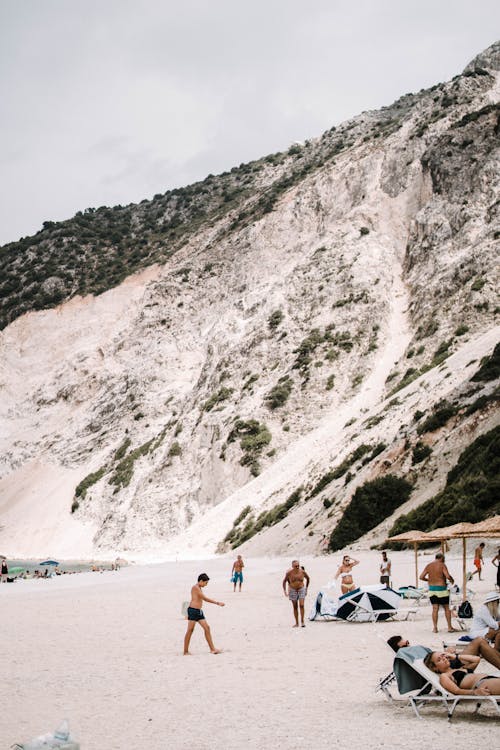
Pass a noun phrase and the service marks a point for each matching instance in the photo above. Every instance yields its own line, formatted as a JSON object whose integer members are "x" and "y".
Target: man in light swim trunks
{"x": 436, "y": 575}
{"x": 195, "y": 614}
{"x": 298, "y": 582}
{"x": 237, "y": 572}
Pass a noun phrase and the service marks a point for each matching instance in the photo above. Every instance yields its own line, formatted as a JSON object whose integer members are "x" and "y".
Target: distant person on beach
{"x": 477, "y": 647}
{"x": 4, "y": 570}
{"x": 385, "y": 570}
{"x": 237, "y": 572}
{"x": 195, "y": 614}
{"x": 345, "y": 573}
{"x": 436, "y": 575}
{"x": 297, "y": 581}
{"x": 478, "y": 560}
{"x": 496, "y": 561}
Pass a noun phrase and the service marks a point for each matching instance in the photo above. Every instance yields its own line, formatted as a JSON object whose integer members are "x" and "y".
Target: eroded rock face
{"x": 340, "y": 271}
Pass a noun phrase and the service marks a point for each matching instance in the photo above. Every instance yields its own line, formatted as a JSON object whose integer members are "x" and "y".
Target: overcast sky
{"x": 111, "y": 101}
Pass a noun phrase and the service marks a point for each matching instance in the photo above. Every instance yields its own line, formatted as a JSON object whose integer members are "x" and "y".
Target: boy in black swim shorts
{"x": 195, "y": 614}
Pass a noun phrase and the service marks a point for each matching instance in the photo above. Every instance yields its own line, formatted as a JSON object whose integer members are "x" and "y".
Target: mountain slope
{"x": 271, "y": 307}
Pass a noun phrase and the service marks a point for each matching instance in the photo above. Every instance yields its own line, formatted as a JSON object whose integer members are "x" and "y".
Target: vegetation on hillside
{"x": 243, "y": 532}
{"x": 472, "y": 491}
{"x": 370, "y": 504}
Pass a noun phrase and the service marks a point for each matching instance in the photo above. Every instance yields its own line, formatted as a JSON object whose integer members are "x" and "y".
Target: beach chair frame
{"x": 363, "y": 614}
{"x": 439, "y": 695}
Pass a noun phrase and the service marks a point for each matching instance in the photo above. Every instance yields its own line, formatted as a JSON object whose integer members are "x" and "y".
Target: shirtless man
{"x": 436, "y": 575}
{"x": 195, "y": 614}
{"x": 297, "y": 590}
{"x": 237, "y": 571}
{"x": 478, "y": 560}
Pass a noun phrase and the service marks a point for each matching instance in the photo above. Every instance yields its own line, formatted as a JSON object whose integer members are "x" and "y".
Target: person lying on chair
{"x": 478, "y": 647}
{"x": 461, "y": 681}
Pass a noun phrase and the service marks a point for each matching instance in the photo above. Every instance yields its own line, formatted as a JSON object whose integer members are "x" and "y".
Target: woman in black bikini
{"x": 462, "y": 681}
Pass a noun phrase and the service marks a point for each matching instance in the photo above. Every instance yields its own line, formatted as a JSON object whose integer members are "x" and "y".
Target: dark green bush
{"x": 443, "y": 411}
{"x": 371, "y": 503}
{"x": 275, "y": 319}
{"x": 221, "y": 395}
{"x": 254, "y": 436}
{"x": 483, "y": 401}
{"x": 175, "y": 449}
{"x": 490, "y": 367}
{"x": 122, "y": 449}
{"x": 90, "y": 479}
{"x": 420, "y": 452}
{"x": 279, "y": 394}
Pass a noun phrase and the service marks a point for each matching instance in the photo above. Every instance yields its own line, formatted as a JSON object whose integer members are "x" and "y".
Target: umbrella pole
{"x": 416, "y": 564}
{"x": 464, "y": 568}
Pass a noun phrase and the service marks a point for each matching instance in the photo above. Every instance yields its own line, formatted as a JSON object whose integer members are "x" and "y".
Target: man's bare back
{"x": 436, "y": 574}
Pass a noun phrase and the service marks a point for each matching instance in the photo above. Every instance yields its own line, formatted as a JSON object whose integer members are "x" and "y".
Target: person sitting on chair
{"x": 461, "y": 681}
{"x": 478, "y": 647}
{"x": 485, "y": 623}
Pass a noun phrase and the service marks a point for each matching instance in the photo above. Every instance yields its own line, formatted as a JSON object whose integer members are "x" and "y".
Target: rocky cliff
{"x": 222, "y": 348}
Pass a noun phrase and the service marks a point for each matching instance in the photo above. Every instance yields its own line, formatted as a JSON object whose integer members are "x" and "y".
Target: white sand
{"x": 104, "y": 650}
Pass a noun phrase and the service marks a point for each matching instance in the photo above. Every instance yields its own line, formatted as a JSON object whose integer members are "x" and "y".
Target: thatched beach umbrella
{"x": 414, "y": 537}
{"x": 489, "y": 528}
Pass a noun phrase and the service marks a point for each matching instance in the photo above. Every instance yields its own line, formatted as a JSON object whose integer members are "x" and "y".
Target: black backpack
{"x": 465, "y": 610}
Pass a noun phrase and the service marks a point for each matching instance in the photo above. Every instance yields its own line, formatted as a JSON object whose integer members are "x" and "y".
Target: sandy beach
{"x": 105, "y": 651}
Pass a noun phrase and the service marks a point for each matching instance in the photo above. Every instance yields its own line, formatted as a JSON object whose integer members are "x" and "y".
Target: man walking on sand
{"x": 298, "y": 581}
{"x": 478, "y": 560}
{"x": 436, "y": 575}
{"x": 237, "y": 572}
{"x": 195, "y": 614}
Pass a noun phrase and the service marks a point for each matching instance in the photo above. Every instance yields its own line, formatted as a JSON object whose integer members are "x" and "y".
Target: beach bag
{"x": 233, "y": 579}
{"x": 465, "y": 610}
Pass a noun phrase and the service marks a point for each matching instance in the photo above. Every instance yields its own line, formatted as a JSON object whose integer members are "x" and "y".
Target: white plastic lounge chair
{"x": 362, "y": 613}
{"x": 440, "y": 695}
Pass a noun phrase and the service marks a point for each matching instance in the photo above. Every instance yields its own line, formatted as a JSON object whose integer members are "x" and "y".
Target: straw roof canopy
{"x": 411, "y": 536}
{"x": 490, "y": 527}
{"x": 456, "y": 530}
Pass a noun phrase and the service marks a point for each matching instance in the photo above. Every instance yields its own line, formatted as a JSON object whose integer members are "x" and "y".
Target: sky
{"x": 106, "y": 102}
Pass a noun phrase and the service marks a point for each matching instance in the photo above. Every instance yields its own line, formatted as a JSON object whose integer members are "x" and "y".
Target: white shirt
{"x": 482, "y": 622}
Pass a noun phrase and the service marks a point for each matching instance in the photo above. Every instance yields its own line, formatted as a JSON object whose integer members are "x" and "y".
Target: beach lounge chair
{"x": 405, "y": 679}
{"x": 439, "y": 694}
{"x": 412, "y": 675}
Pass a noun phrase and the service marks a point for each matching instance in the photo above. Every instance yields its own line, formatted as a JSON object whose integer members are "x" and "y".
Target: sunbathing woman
{"x": 461, "y": 681}
{"x": 347, "y": 584}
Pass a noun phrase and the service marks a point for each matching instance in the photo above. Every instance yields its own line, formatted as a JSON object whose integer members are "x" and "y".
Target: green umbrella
{"x": 16, "y": 570}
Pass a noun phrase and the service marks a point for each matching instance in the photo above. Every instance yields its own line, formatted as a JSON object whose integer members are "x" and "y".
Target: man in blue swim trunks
{"x": 237, "y": 572}
{"x": 195, "y": 614}
{"x": 437, "y": 576}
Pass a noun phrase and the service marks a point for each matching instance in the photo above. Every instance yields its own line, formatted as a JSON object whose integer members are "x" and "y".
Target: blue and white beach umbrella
{"x": 366, "y": 603}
